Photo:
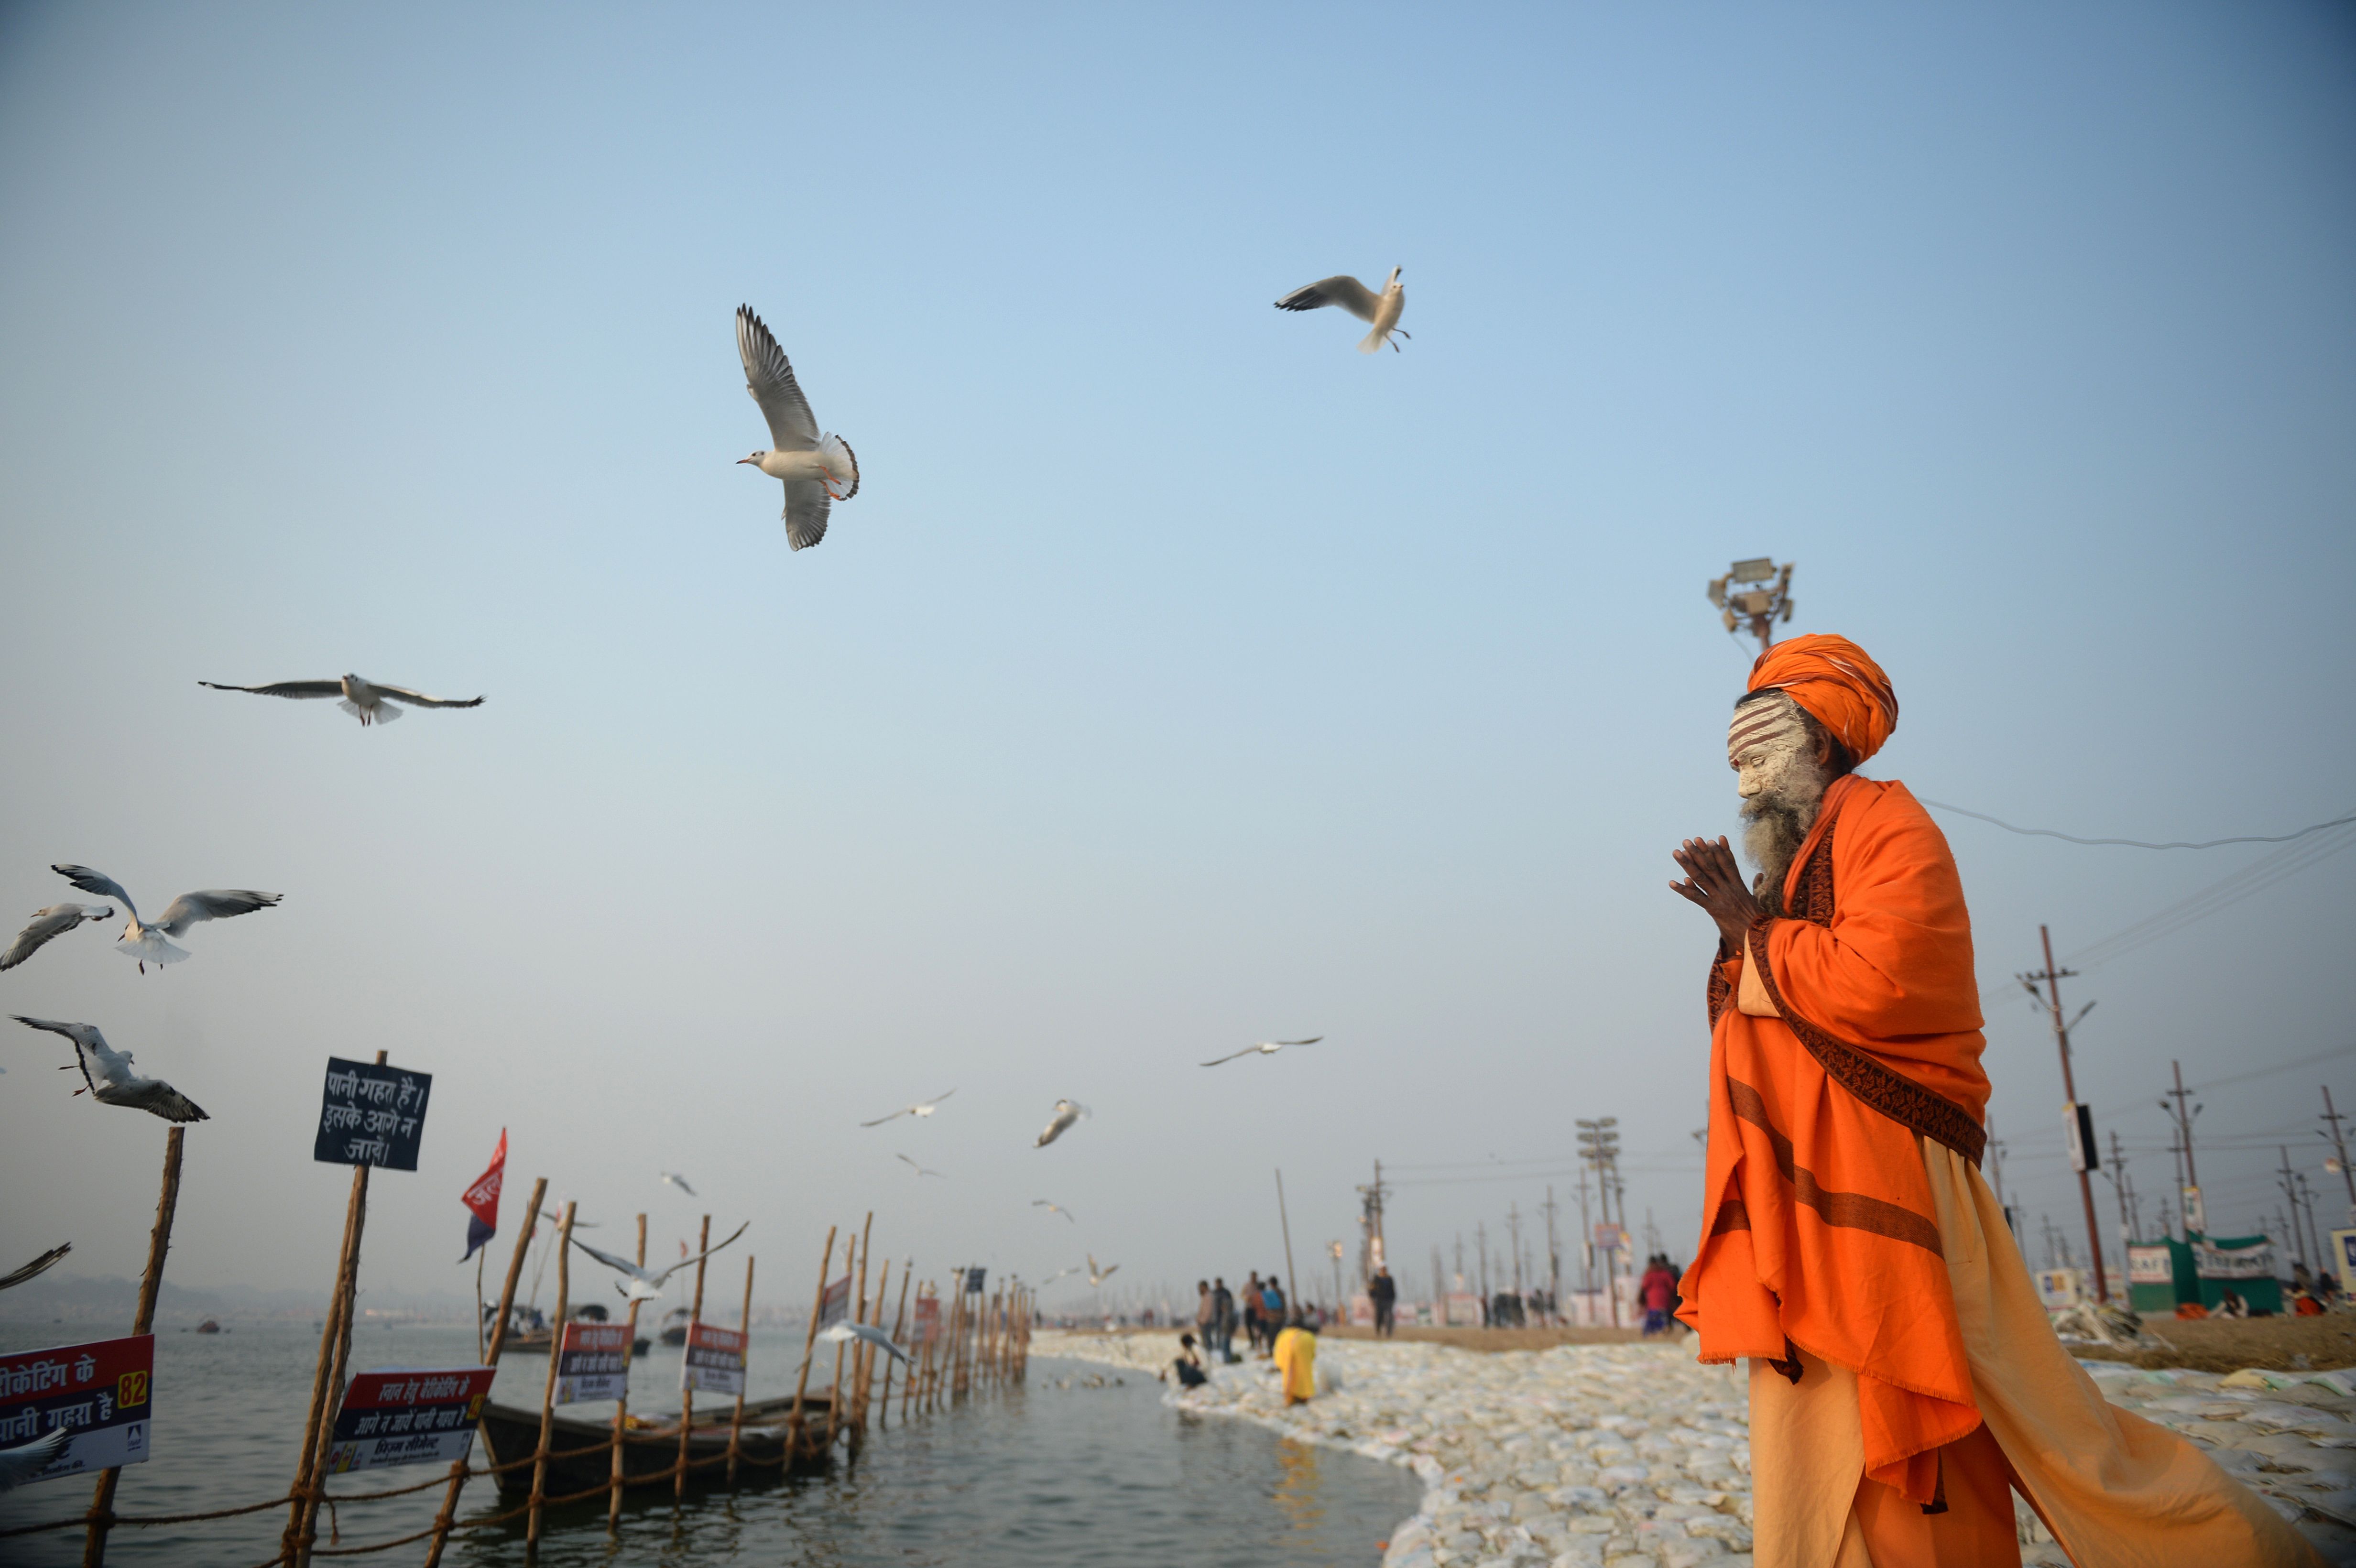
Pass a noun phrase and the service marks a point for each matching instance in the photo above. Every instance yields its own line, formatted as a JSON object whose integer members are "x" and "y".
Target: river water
{"x": 1039, "y": 1477}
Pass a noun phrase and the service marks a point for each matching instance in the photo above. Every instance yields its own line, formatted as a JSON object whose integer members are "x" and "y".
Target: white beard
{"x": 1775, "y": 821}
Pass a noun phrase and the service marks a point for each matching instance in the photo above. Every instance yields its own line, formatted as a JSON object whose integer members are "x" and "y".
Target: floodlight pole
{"x": 1757, "y": 607}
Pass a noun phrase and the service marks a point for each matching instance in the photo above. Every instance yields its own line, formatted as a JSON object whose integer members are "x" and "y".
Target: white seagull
{"x": 818, "y": 469}
{"x": 921, "y": 1108}
{"x": 145, "y": 942}
{"x": 363, "y": 699}
{"x": 919, "y": 1169}
{"x": 1059, "y": 1274}
{"x": 674, "y": 1179}
{"x": 107, "y": 1077}
{"x": 1097, "y": 1277}
{"x": 38, "y": 1265}
{"x": 49, "y": 923}
{"x": 22, "y": 1463}
{"x": 1360, "y": 301}
{"x": 843, "y": 1333}
{"x": 647, "y": 1284}
{"x": 1265, "y": 1048}
{"x": 1066, "y": 1113}
{"x": 1052, "y": 1208}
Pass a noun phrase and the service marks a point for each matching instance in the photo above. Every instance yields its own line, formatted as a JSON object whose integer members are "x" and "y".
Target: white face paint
{"x": 1765, "y": 745}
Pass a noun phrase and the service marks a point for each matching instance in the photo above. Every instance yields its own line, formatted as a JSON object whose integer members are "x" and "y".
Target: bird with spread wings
{"x": 48, "y": 925}
{"x": 1052, "y": 1208}
{"x": 646, "y": 1283}
{"x": 363, "y": 699}
{"x": 1265, "y": 1048}
{"x": 1382, "y": 309}
{"x": 920, "y": 1109}
{"x": 145, "y": 942}
{"x": 818, "y": 470}
{"x": 107, "y": 1077}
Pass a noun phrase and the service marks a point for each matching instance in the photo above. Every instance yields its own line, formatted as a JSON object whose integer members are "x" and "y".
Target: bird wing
{"x": 419, "y": 700}
{"x": 1313, "y": 1039}
{"x": 608, "y": 1259}
{"x": 152, "y": 1095}
{"x": 1231, "y": 1056}
{"x": 1346, "y": 292}
{"x": 769, "y": 377}
{"x": 1111, "y": 1272}
{"x": 704, "y": 1254}
{"x": 211, "y": 903}
{"x": 806, "y": 505}
{"x": 97, "y": 883}
{"x": 78, "y": 1033}
{"x": 284, "y": 687}
{"x": 53, "y": 921}
{"x": 936, "y": 1099}
{"x": 37, "y": 1265}
{"x": 23, "y": 1462}
{"x": 893, "y": 1117}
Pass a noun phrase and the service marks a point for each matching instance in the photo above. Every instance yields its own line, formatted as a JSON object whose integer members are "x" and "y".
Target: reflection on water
{"x": 1035, "y": 1478}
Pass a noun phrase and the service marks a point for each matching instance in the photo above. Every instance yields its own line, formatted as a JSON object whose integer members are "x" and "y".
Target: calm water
{"x": 1034, "y": 1477}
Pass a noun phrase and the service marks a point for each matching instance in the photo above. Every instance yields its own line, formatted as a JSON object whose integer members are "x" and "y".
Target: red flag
{"x": 482, "y": 1200}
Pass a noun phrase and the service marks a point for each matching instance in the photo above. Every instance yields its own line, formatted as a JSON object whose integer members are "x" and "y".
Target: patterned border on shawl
{"x": 1884, "y": 1089}
{"x": 1849, "y": 1211}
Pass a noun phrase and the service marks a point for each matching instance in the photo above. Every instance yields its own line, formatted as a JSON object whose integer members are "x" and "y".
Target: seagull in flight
{"x": 919, "y": 1169}
{"x": 647, "y": 1284}
{"x": 22, "y": 1463}
{"x": 107, "y": 1077}
{"x": 1059, "y": 1274}
{"x": 38, "y": 1265}
{"x": 363, "y": 699}
{"x": 1360, "y": 301}
{"x": 921, "y": 1108}
{"x": 1097, "y": 1277}
{"x": 1052, "y": 1208}
{"x": 145, "y": 942}
{"x": 1265, "y": 1048}
{"x": 48, "y": 924}
{"x": 1066, "y": 1113}
{"x": 843, "y": 1333}
{"x": 818, "y": 469}
{"x": 673, "y": 1179}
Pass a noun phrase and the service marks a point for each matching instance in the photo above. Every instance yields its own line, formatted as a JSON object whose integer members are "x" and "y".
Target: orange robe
{"x": 1819, "y": 1228}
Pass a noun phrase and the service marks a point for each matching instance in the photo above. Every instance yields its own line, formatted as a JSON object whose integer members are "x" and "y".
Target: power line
{"x": 2252, "y": 879}
{"x": 2137, "y": 843}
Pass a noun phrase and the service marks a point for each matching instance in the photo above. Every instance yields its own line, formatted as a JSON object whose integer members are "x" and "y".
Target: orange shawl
{"x": 1818, "y": 1228}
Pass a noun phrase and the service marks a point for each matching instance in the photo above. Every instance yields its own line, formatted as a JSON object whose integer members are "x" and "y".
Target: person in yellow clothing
{"x": 1296, "y": 1361}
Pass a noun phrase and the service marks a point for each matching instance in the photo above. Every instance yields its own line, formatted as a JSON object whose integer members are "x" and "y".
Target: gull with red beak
{"x": 1382, "y": 309}
{"x": 818, "y": 470}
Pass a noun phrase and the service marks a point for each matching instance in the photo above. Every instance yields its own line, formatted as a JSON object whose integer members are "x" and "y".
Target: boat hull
{"x": 512, "y": 1432}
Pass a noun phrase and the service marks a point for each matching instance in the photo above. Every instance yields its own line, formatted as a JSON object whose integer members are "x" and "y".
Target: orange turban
{"x": 1841, "y": 688}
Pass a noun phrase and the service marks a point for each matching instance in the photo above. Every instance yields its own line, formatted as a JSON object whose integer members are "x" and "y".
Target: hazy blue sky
{"x": 1180, "y": 677}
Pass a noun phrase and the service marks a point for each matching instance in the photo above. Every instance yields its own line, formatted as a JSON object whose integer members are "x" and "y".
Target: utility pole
{"x": 2314, "y": 1235}
{"x": 1514, "y": 1225}
{"x": 1754, "y": 593}
{"x": 1481, "y": 1236}
{"x": 1459, "y": 1259}
{"x": 2340, "y": 1146}
{"x": 2081, "y": 1125}
{"x": 2118, "y": 1175}
{"x": 1554, "y": 1257}
{"x": 2298, "y": 1240}
{"x": 2191, "y": 1182}
{"x": 1586, "y": 1240}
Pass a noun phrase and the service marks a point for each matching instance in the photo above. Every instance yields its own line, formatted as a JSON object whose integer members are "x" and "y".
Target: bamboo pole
{"x": 810, "y": 1343}
{"x": 336, "y": 1383}
{"x": 548, "y": 1389}
{"x": 622, "y": 1411}
{"x": 867, "y": 1367}
{"x": 744, "y": 1329}
{"x": 159, "y": 1243}
{"x": 834, "y": 1399}
{"x": 686, "y": 1394}
{"x": 459, "y": 1470}
{"x": 914, "y": 1380}
{"x": 859, "y": 1350}
{"x": 899, "y": 1322}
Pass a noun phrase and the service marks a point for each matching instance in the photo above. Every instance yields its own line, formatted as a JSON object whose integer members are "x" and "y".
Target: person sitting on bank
{"x": 1188, "y": 1366}
{"x": 1296, "y": 1361}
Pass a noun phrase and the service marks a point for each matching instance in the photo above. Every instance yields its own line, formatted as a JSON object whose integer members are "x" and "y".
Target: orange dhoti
{"x": 1905, "y": 1378}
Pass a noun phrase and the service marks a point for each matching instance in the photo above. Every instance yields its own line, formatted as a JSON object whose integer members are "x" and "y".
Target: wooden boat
{"x": 511, "y": 1432}
{"x": 533, "y": 1340}
{"x": 674, "y": 1325}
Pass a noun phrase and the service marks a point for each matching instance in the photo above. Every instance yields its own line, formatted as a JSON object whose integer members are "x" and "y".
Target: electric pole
{"x": 2193, "y": 1208}
{"x": 1586, "y": 1240}
{"x": 1554, "y": 1257}
{"x": 2340, "y": 1148}
{"x": 1514, "y": 1225}
{"x": 2315, "y": 1235}
{"x": 2081, "y": 1127}
{"x": 2297, "y": 1241}
{"x": 1755, "y": 592}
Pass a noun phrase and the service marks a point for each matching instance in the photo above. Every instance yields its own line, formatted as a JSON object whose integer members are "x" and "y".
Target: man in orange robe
{"x": 1904, "y": 1379}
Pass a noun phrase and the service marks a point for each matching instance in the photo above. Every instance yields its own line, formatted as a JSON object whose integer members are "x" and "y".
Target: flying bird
{"x": 48, "y": 925}
{"x": 843, "y": 1333}
{"x": 1066, "y": 1113}
{"x": 145, "y": 942}
{"x": 363, "y": 699}
{"x": 919, "y": 1169}
{"x": 674, "y": 1179}
{"x": 1097, "y": 1277}
{"x": 38, "y": 1265}
{"x": 818, "y": 469}
{"x": 1059, "y": 1274}
{"x": 1265, "y": 1048}
{"x": 107, "y": 1077}
{"x": 921, "y": 1108}
{"x": 1052, "y": 1208}
{"x": 647, "y": 1284}
{"x": 1354, "y": 296}
{"x": 22, "y": 1463}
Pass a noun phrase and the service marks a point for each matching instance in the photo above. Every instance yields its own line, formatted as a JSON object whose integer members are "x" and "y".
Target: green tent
{"x": 2203, "y": 1270}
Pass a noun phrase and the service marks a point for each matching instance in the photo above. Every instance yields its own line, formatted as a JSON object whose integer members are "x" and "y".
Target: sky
{"x": 1179, "y": 679}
